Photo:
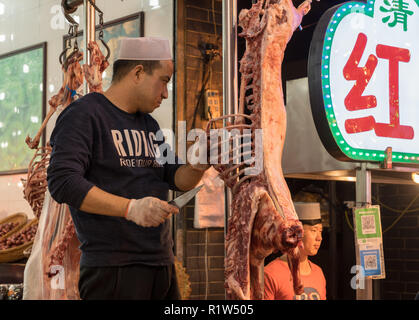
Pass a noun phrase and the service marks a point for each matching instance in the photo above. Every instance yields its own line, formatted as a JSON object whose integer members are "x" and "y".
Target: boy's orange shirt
{"x": 278, "y": 283}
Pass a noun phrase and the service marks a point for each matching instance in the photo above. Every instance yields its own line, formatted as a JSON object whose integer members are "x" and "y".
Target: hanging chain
{"x": 101, "y": 22}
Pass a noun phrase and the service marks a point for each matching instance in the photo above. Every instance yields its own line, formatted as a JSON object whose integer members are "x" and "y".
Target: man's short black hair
{"x": 122, "y": 67}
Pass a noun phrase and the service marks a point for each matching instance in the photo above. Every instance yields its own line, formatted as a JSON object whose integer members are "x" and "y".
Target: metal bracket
{"x": 70, "y": 6}
{"x": 388, "y": 160}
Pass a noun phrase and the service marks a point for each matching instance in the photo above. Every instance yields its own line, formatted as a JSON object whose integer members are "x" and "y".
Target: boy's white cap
{"x": 144, "y": 48}
{"x": 308, "y": 210}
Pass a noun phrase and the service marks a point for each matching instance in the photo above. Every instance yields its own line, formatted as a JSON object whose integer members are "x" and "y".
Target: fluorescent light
{"x": 25, "y": 68}
{"x": 154, "y": 4}
{"x": 2, "y": 95}
{"x": 2, "y": 37}
{"x": 1, "y": 8}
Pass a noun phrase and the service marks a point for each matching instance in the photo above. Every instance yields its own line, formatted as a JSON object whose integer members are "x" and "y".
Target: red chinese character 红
{"x": 362, "y": 75}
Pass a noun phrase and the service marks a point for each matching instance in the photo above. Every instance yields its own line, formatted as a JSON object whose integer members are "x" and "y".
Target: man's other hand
{"x": 149, "y": 211}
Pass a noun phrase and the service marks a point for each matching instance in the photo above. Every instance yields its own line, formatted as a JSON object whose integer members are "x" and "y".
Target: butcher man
{"x": 278, "y": 280}
{"x": 105, "y": 166}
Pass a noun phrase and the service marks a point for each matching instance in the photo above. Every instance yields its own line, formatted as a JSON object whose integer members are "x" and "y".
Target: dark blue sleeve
{"x": 72, "y": 143}
{"x": 170, "y": 172}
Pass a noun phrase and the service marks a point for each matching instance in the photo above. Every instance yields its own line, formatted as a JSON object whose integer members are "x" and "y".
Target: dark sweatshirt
{"x": 94, "y": 143}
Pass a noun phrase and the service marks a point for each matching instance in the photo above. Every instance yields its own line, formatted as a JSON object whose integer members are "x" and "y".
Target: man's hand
{"x": 149, "y": 211}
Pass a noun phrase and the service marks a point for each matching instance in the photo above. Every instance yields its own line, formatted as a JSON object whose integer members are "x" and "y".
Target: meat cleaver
{"x": 185, "y": 198}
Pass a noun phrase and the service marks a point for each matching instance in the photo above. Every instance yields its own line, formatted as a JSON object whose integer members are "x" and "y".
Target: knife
{"x": 185, "y": 198}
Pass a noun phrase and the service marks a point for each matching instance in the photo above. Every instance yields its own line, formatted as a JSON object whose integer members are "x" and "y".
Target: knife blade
{"x": 185, "y": 198}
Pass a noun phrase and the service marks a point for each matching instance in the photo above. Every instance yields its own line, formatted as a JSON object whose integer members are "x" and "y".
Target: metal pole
{"x": 230, "y": 82}
{"x": 229, "y": 71}
{"x": 333, "y": 240}
{"x": 88, "y": 34}
{"x": 363, "y": 197}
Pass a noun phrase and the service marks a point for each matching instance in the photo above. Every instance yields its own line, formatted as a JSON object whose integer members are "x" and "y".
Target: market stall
{"x": 306, "y": 112}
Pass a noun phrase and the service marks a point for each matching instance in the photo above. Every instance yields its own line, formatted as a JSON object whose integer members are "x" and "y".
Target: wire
{"x": 347, "y": 220}
{"x": 213, "y": 19}
{"x": 202, "y": 91}
{"x": 308, "y": 25}
{"x": 206, "y": 263}
{"x": 198, "y": 101}
{"x": 402, "y": 214}
{"x": 392, "y": 209}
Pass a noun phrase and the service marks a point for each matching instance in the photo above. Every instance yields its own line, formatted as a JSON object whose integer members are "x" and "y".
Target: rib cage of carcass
{"x": 263, "y": 218}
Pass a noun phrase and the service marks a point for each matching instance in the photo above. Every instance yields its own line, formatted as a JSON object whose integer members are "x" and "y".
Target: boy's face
{"x": 312, "y": 238}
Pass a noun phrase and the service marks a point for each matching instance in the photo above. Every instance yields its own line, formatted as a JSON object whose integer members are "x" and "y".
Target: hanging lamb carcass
{"x": 263, "y": 218}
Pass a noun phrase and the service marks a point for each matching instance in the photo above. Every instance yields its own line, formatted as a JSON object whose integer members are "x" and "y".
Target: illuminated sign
{"x": 363, "y": 71}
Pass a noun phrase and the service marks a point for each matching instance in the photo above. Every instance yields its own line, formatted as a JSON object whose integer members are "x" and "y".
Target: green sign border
{"x": 345, "y": 150}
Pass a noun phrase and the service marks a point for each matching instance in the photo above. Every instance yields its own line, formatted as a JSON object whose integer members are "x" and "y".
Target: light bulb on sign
{"x": 415, "y": 177}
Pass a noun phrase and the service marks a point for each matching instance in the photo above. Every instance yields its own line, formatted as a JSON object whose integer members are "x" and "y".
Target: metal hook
{"x": 64, "y": 53}
{"x": 108, "y": 54}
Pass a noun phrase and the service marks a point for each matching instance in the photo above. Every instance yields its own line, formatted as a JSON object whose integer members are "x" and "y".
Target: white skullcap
{"x": 308, "y": 210}
{"x": 144, "y": 48}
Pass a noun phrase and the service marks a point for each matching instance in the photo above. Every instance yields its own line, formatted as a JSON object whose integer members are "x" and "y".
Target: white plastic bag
{"x": 209, "y": 202}
{"x": 37, "y": 284}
